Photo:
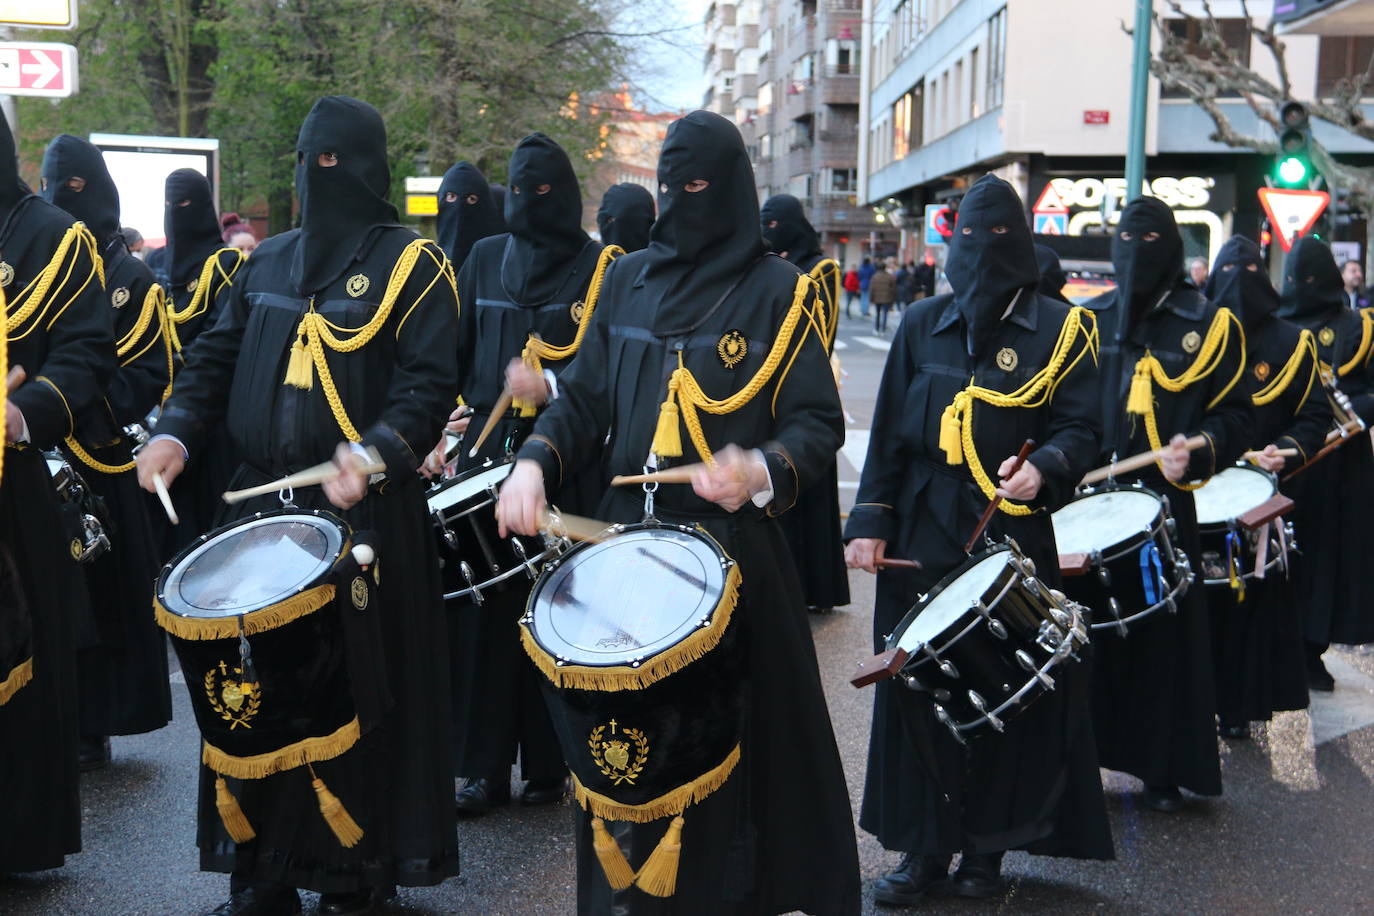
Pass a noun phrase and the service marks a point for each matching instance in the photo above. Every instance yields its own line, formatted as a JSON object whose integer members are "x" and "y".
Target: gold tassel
{"x": 235, "y": 821}
{"x": 658, "y": 876}
{"x": 1141, "y": 397}
{"x": 618, "y": 871}
{"x": 299, "y": 368}
{"x": 951, "y": 439}
{"x": 336, "y": 815}
{"x": 667, "y": 437}
{"x": 18, "y": 676}
{"x": 531, "y": 359}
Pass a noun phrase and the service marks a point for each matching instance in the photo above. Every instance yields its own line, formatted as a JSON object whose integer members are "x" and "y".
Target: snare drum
{"x": 80, "y": 510}
{"x": 1127, "y": 534}
{"x": 1228, "y": 544}
{"x": 985, "y": 642}
{"x": 643, "y": 673}
{"x": 265, "y": 615}
{"x": 473, "y": 555}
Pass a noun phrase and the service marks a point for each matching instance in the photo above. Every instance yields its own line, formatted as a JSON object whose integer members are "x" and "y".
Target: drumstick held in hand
{"x": 161, "y": 487}
{"x": 1280, "y": 453}
{"x": 15, "y": 379}
{"x": 575, "y": 527}
{"x": 997, "y": 500}
{"x": 497, "y": 412}
{"x": 1136, "y": 462}
{"x": 320, "y": 473}
{"x": 683, "y": 474}
{"x": 895, "y": 563}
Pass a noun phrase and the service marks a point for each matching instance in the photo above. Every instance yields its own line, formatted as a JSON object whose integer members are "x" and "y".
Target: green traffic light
{"x": 1292, "y": 170}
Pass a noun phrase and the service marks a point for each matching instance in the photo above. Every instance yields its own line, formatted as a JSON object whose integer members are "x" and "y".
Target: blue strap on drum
{"x": 1151, "y": 573}
{"x": 1233, "y": 560}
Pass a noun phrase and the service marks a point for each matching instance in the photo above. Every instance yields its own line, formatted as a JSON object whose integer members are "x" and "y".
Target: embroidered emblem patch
{"x": 76, "y": 549}
{"x": 6, "y": 274}
{"x": 233, "y": 699}
{"x": 1261, "y": 370}
{"x": 358, "y": 592}
{"x": 119, "y": 297}
{"x": 577, "y": 310}
{"x": 612, "y": 753}
{"x": 357, "y": 285}
{"x": 1006, "y": 359}
{"x": 1325, "y": 335}
{"x": 732, "y": 348}
{"x": 1191, "y": 341}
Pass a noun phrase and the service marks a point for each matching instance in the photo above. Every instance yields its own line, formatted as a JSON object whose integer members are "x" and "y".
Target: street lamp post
{"x": 1140, "y": 85}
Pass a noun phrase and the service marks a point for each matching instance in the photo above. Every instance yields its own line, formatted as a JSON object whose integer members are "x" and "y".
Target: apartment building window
{"x": 843, "y": 181}
{"x": 841, "y": 56}
{"x": 957, "y": 112}
{"x": 765, "y": 98}
{"x": 1235, "y": 34}
{"x": 799, "y": 186}
{"x": 997, "y": 58}
{"x": 1343, "y": 57}
{"x": 907, "y": 121}
{"x": 973, "y": 110}
{"x": 766, "y": 146}
{"x": 729, "y": 84}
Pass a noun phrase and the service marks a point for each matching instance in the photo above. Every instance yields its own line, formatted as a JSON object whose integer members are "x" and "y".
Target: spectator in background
{"x": 882, "y": 292}
{"x": 926, "y": 274}
{"x": 133, "y": 240}
{"x": 908, "y": 286}
{"x": 851, "y": 290}
{"x": 237, "y": 233}
{"x": 865, "y": 274}
{"x": 1197, "y": 272}
{"x": 1356, "y": 296}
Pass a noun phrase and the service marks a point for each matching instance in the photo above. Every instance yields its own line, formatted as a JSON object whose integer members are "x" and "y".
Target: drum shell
{"x": 85, "y": 519}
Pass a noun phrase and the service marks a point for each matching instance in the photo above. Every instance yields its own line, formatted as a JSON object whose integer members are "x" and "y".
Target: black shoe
{"x": 914, "y": 876}
{"x": 255, "y": 901}
{"x": 353, "y": 903}
{"x": 480, "y": 796}
{"x": 979, "y": 875}
{"x": 1239, "y": 732}
{"x": 1318, "y": 678}
{"x": 1164, "y": 799}
{"x": 93, "y": 753}
{"x": 544, "y": 791}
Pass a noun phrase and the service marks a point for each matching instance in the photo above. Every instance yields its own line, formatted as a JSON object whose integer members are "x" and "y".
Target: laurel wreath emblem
{"x": 617, "y": 773}
{"x": 252, "y": 699}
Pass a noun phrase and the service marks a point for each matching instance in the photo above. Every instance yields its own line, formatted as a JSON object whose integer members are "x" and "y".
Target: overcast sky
{"x": 670, "y": 75}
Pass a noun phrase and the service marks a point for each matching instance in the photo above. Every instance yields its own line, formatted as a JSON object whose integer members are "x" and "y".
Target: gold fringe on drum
{"x": 260, "y": 621}
{"x": 19, "y": 675}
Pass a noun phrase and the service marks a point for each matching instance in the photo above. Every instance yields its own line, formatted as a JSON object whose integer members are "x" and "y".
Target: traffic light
{"x": 1293, "y": 164}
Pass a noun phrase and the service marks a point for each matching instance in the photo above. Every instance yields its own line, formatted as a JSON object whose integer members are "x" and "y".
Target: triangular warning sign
{"x": 1050, "y": 201}
{"x": 1291, "y": 213}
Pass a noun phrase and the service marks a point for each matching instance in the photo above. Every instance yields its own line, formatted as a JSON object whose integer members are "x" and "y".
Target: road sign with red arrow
{"x": 37, "y": 68}
{"x": 1292, "y": 212}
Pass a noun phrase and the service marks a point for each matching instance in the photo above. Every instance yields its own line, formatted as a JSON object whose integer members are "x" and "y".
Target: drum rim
{"x": 613, "y": 677}
{"x": 1222, "y": 525}
{"x": 1140, "y": 537}
{"x": 1001, "y": 584}
{"x": 444, "y": 485}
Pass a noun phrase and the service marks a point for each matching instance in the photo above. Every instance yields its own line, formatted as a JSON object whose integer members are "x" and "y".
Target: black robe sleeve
{"x": 875, "y": 514}
{"x": 1226, "y": 421}
{"x": 1356, "y": 383}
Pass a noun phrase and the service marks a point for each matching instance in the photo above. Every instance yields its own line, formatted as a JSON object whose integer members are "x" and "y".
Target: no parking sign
{"x": 939, "y": 225}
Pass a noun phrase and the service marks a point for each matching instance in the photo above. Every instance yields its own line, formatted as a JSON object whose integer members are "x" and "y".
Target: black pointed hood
{"x": 97, "y": 203}
{"x": 625, "y": 216}
{"x": 702, "y": 241}
{"x": 991, "y": 258}
{"x": 12, "y": 189}
{"x": 793, "y": 237}
{"x": 1052, "y": 276}
{"x": 190, "y": 223}
{"x": 467, "y": 212}
{"x": 1147, "y": 253}
{"x": 1312, "y": 284}
{"x": 1239, "y": 281}
{"x": 343, "y": 203}
{"x": 546, "y": 229}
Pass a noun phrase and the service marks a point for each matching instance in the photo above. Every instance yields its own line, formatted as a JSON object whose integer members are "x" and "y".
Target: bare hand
{"x": 864, "y": 553}
{"x": 737, "y": 476}
{"x": 1270, "y": 459}
{"x": 1021, "y": 486}
{"x": 346, "y": 490}
{"x": 433, "y": 465}
{"x": 1175, "y": 460}
{"x": 161, "y": 457}
{"x": 458, "y": 420}
{"x": 526, "y": 384}
{"x": 521, "y": 507}
{"x": 14, "y": 423}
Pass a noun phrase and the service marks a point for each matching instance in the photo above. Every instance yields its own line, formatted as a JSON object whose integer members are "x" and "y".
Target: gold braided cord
{"x": 1366, "y": 344}
{"x": 36, "y": 300}
{"x": 1307, "y": 344}
{"x": 202, "y": 297}
{"x": 956, "y": 424}
{"x": 1148, "y": 371}
{"x": 4, "y": 374}
{"x": 94, "y": 463}
{"x": 826, "y": 273}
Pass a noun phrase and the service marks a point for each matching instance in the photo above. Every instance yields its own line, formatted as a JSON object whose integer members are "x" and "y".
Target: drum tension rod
{"x": 981, "y": 705}
{"x": 946, "y": 666}
{"x": 1025, "y": 661}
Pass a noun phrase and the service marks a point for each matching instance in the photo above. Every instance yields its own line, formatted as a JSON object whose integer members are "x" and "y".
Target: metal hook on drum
{"x": 1025, "y": 661}
{"x": 287, "y": 495}
{"x": 945, "y": 720}
{"x": 981, "y": 705}
{"x": 473, "y": 588}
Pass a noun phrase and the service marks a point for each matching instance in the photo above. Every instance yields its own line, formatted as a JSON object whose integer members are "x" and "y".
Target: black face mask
{"x": 625, "y": 216}
{"x": 1147, "y": 252}
{"x": 1240, "y": 282}
{"x": 793, "y": 233}
{"x": 466, "y": 212}
{"x": 546, "y": 229}
{"x": 498, "y": 198}
{"x": 97, "y": 203}
{"x": 342, "y": 203}
{"x": 703, "y": 240}
{"x": 193, "y": 229}
{"x": 1052, "y": 278}
{"x": 1312, "y": 284}
{"x": 991, "y": 257}
{"x": 12, "y": 190}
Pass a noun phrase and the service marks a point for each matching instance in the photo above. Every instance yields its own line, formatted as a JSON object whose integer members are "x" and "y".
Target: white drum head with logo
{"x": 1100, "y": 521}
{"x": 1232, "y": 493}
{"x": 953, "y": 600}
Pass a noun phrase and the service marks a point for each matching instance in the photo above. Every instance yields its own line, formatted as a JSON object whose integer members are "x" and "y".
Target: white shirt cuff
{"x": 763, "y": 497}
{"x": 185, "y": 455}
{"x": 552, "y": 381}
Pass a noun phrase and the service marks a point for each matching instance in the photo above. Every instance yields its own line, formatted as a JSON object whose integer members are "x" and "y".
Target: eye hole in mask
{"x": 75, "y": 183}
{"x": 450, "y": 196}
{"x": 328, "y": 160}
{"x": 543, "y": 189}
{"x": 696, "y": 185}
{"x": 470, "y": 199}
{"x": 1227, "y": 268}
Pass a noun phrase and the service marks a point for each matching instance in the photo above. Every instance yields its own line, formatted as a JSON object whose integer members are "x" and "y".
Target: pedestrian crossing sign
{"x": 1051, "y": 224}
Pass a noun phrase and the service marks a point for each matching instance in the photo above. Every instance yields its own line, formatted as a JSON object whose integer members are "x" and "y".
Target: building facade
{"x": 631, "y": 138}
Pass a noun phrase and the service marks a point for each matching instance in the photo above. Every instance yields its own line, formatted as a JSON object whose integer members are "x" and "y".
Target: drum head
{"x": 1100, "y": 521}
{"x": 629, "y": 597}
{"x": 252, "y": 565}
{"x": 1231, "y": 494}
{"x": 957, "y": 593}
{"x": 55, "y": 466}
{"x": 473, "y": 482}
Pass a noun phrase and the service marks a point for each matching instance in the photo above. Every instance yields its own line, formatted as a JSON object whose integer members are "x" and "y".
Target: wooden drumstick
{"x": 15, "y": 379}
{"x": 895, "y": 563}
{"x": 1347, "y": 429}
{"x": 161, "y": 487}
{"x": 683, "y": 474}
{"x": 997, "y": 500}
{"x": 1334, "y": 440}
{"x": 1136, "y": 462}
{"x": 320, "y": 473}
{"x": 576, "y": 527}
{"x": 1255, "y": 455}
{"x": 497, "y": 412}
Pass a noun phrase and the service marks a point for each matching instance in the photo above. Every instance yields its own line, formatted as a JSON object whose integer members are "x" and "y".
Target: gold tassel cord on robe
{"x": 268, "y": 618}
{"x": 154, "y": 309}
{"x": 1149, "y": 372}
{"x": 18, "y": 676}
{"x": 346, "y": 830}
{"x": 613, "y": 862}
{"x": 230, "y": 814}
{"x": 296, "y": 754}
{"x": 1361, "y": 355}
{"x": 1307, "y": 345}
{"x": 201, "y": 297}
{"x": 956, "y": 422}
{"x": 34, "y": 305}
{"x": 826, "y": 273}
{"x": 658, "y": 875}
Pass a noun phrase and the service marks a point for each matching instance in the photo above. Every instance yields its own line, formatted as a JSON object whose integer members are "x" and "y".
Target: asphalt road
{"x": 1291, "y": 834}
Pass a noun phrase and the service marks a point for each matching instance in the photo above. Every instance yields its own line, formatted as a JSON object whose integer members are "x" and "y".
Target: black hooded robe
{"x": 123, "y": 680}
{"x": 467, "y": 212}
{"x": 1036, "y": 785}
{"x": 625, "y": 216}
{"x": 396, "y": 390}
{"x": 812, "y": 527}
{"x": 1335, "y": 497}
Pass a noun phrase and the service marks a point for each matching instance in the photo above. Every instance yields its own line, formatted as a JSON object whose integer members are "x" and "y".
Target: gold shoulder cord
{"x": 1148, "y": 371}
{"x": 956, "y": 424}
{"x": 537, "y": 351}
{"x": 315, "y": 332}
{"x": 826, "y": 273}
{"x": 1307, "y": 346}
{"x": 686, "y": 397}
{"x": 4, "y": 374}
{"x": 1361, "y": 356}
{"x": 202, "y": 297}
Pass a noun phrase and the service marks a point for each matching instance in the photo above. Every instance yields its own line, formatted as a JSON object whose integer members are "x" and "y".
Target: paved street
{"x": 1291, "y": 834}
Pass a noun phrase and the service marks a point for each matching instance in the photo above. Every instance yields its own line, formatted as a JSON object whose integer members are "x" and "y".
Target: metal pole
{"x": 1140, "y": 92}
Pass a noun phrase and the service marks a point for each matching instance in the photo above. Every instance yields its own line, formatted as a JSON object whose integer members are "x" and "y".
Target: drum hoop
{"x": 452, "y": 482}
{"x": 1229, "y": 524}
{"x": 1133, "y": 543}
{"x": 999, "y": 585}
{"x": 670, "y": 803}
{"x": 608, "y": 678}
